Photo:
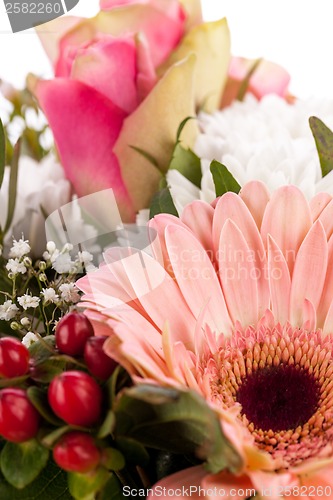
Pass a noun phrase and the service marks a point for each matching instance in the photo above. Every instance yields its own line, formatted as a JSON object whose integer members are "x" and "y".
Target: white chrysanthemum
{"x": 268, "y": 140}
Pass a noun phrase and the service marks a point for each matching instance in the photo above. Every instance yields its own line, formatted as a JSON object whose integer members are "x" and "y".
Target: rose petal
{"x": 153, "y": 120}
{"x": 211, "y": 44}
{"x": 109, "y": 66}
{"x": 85, "y": 125}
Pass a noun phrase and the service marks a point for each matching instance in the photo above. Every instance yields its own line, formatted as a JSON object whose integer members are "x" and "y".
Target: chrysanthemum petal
{"x": 197, "y": 278}
{"x": 309, "y": 272}
{"x": 287, "y": 219}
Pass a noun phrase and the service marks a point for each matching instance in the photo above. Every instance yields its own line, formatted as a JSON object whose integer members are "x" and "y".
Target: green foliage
{"x": 323, "y": 137}
{"x": 162, "y": 203}
{"x": 187, "y": 163}
{"x": 50, "y": 484}
{"x": 246, "y": 81}
{"x": 223, "y": 179}
{"x": 86, "y": 486}
{"x": 21, "y": 463}
{"x": 175, "y": 421}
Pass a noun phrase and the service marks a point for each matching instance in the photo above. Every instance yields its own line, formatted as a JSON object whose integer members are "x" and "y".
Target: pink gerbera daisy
{"x": 236, "y": 304}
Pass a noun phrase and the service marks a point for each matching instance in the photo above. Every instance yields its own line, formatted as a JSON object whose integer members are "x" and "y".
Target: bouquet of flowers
{"x": 166, "y": 274}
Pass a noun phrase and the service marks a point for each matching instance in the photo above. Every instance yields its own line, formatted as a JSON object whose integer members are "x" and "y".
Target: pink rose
{"x": 267, "y": 78}
{"x": 127, "y": 78}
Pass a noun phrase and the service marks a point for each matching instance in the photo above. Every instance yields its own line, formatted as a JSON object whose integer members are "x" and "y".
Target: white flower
{"x": 39, "y": 185}
{"x": 29, "y": 339}
{"x": 26, "y": 301}
{"x": 15, "y": 266}
{"x": 268, "y": 140}
{"x": 49, "y": 295}
{"x": 8, "y": 310}
{"x": 19, "y": 248}
{"x": 63, "y": 263}
{"x": 69, "y": 292}
{"x": 25, "y": 322}
{"x": 85, "y": 257}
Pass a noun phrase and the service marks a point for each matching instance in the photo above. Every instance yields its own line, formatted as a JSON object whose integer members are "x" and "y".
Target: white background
{"x": 296, "y": 33}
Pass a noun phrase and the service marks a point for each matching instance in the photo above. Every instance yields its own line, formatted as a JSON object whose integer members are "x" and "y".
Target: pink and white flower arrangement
{"x": 201, "y": 362}
{"x": 236, "y": 306}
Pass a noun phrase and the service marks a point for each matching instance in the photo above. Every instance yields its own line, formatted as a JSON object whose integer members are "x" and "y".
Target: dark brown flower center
{"x": 278, "y": 397}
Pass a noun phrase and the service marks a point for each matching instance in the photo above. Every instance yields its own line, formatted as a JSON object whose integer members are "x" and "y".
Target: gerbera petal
{"x": 238, "y": 275}
{"x": 309, "y": 272}
{"x": 156, "y": 228}
{"x": 198, "y": 216}
{"x": 279, "y": 281}
{"x": 255, "y": 196}
{"x": 326, "y": 219}
{"x": 152, "y": 287}
{"x": 196, "y": 277}
{"x": 318, "y": 204}
{"x": 287, "y": 219}
{"x": 185, "y": 480}
{"x": 228, "y": 486}
{"x": 232, "y": 207}
{"x": 327, "y": 295}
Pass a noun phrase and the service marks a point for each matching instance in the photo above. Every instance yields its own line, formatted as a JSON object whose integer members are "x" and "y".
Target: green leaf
{"x": 162, "y": 203}
{"x": 12, "y": 190}
{"x": 134, "y": 452}
{"x": 113, "y": 490}
{"x": 107, "y": 426}
{"x": 224, "y": 181}
{"x": 187, "y": 163}
{"x": 21, "y": 463}
{"x": 42, "y": 349}
{"x": 50, "y": 439}
{"x": 323, "y": 137}
{"x": 182, "y": 125}
{"x": 146, "y": 155}
{"x": 246, "y": 82}
{"x": 50, "y": 484}
{"x": 113, "y": 459}
{"x": 38, "y": 398}
{"x": 2, "y": 152}
{"x": 85, "y": 486}
{"x": 175, "y": 421}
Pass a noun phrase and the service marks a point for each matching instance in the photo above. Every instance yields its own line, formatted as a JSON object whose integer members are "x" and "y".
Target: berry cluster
{"x": 74, "y": 395}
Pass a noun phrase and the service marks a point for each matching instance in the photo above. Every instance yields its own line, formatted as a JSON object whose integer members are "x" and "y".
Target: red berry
{"x": 19, "y": 419}
{"x": 76, "y": 397}
{"x": 14, "y": 358}
{"x": 72, "y": 333}
{"x": 98, "y": 362}
{"x": 77, "y": 452}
